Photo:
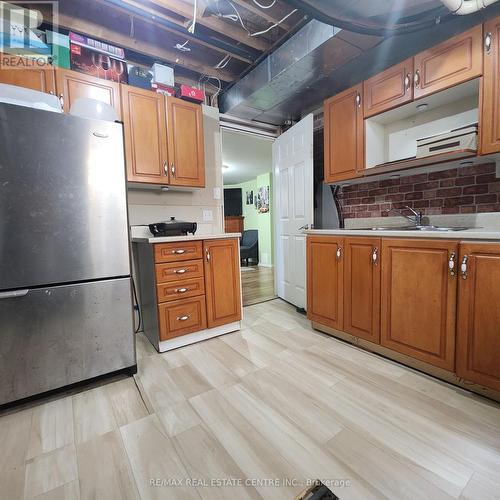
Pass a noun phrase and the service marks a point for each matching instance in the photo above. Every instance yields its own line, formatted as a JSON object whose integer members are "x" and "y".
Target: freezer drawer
{"x": 52, "y": 337}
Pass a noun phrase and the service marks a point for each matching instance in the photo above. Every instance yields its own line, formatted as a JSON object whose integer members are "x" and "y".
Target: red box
{"x": 163, "y": 89}
{"x": 191, "y": 94}
{"x": 98, "y": 64}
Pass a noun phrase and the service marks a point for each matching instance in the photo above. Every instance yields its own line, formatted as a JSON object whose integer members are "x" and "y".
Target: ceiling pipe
{"x": 463, "y": 7}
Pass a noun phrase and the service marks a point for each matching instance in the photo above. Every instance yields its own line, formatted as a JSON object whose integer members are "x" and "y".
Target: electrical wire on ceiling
{"x": 183, "y": 46}
{"x": 223, "y": 62}
{"x": 205, "y": 79}
{"x": 264, "y": 6}
{"x": 234, "y": 18}
{"x": 193, "y": 23}
{"x": 399, "y": 27}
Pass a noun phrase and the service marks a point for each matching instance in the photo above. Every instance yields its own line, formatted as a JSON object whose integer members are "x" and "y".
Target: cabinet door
{"x": 478, "y": 340}
{"x": 222, "y": 281}
{"x": 186, "y": 152}
{"x": 452, "y": 62}
{"x": 71, "y": 85}
{"x": 393, "y": 87}
{"x": 490, "y": 112}
{"x": 325, "y": 269}
{"x": 419, "y": 299}
{"x": 344, "y": 136}
{"x": 145, "y": 135}
{"x": 362, "y": 288}
{"x": 41, "y": 79}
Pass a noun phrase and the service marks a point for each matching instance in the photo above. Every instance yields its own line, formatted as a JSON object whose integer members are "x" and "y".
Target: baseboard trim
{"x": 192, "y": 338}
{"x": 409, "y": 362}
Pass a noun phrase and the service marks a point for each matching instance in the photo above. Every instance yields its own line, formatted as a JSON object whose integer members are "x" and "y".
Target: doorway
{"x": 248, "y": 209}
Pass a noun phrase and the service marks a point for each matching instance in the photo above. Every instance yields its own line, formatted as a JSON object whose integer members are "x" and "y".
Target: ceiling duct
{"x": 312, "y": 52}
{"x": 463, "y": 7}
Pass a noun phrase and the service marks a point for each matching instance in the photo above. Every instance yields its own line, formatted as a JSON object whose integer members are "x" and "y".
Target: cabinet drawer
{"x": 181, "y": 317}
{"x": 173, "y": 252}
{"x": 175, "y": 271}
{"x": 180, "y": 289}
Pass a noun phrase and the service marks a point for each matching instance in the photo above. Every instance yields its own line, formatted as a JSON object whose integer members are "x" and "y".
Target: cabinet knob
{"x": 488, "y": 41}
{"x": 172, "y": 170}
{"x": 464, "y": 268}
{"x": 416, "y": 80}
{"x": 165, "y": 168}
{"x": 61, "y": 100}
{"x": 207, "y": 255}
{"x": 451, "y": 264}
{"x": 358, "y": 99}
{"x": 339, "y": 253}
{"x": 183, "y": 318}
{"x": 181, "y": 290}
{"x": 179, "y": 251}
{"x": 180, "y": 271}
{"x": 375, "y": 256}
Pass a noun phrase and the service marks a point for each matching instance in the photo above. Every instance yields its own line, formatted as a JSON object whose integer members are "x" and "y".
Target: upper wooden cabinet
{"x": 325, "y": 278}
{"x": 344, "y": 135}
{"x": 478, "y": 340}
{"x": 72, "y": 85}
{"x": 419, "y": 299}
{"x": 145, "y": 135}
{"x": 490, "y": 112}
{"x": 186, "y": 152}
{"x": 452, "y": 62}
{"x": 41, "y": 79}
{"x": 388, "y": 89}
{"x": 362, "y": 288}
{"x": 222, "y": 281}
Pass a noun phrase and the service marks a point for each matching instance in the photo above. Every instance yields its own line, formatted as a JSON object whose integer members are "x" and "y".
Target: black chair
{"x": 249, "y": 245}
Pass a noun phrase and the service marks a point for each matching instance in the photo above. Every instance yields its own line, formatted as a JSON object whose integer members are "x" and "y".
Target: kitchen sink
{"x": 415, "y": 228}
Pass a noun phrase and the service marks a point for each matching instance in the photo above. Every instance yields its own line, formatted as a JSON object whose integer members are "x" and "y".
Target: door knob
{"x": 304, "y": 228}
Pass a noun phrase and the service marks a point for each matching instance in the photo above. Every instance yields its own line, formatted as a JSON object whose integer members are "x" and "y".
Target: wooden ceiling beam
{"x": 264, "y": 14}
{"x": 98, "y": 31}
{"x": 229, "y": 29}
{"x": 182, "y": 36}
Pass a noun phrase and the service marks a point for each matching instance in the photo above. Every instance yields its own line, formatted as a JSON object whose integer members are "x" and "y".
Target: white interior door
{"x": 293, "y": 182}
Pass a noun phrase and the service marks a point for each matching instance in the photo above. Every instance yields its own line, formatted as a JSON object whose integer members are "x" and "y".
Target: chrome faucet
{"x": 417, "y": 216}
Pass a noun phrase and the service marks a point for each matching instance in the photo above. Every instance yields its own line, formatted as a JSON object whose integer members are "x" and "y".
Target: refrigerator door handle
{"x": 13, "y": 295}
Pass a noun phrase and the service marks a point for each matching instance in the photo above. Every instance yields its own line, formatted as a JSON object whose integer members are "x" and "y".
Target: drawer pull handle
{"x": 416, "y": 79}
{"x": 183, "y": 318}
{"x": 179, "y": 252}
{"x": 339, "y": 253}
{"x": 451, "y": 263}
{"x": 180, "y": 271}
{"x": 375, "y": 256}
{"x": 181, "y": 290}
{"x": 463, "y": 267}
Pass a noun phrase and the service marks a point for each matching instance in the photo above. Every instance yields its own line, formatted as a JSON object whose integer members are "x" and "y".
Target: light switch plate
{"x": 217, "y": 193}
{"x": 208, "y": 216}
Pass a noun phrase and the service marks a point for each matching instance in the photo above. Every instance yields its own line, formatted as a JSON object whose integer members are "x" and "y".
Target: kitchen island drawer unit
{"x": 185, "y": 301}
{"x": 176, "y": 290}
{"x": 175, "y": 271}
{"x": 181, "y": 317}
{"x": 178, "y": 251}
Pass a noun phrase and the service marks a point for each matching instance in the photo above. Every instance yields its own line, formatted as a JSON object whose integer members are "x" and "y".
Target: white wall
{"x": 147, "y": 206}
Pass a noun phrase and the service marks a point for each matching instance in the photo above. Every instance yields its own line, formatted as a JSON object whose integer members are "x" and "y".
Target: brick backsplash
{"x": 456, "y": 191}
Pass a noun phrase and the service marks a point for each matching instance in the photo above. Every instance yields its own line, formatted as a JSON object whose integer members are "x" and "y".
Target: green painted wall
{"x": 259, "y": 221}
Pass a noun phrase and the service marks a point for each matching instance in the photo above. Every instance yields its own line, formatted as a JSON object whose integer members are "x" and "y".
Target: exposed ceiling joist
{"x": 152, "y": 17}
{"x": 231, "y": 30}
{"x": 263, "y": 13}
{"x": 143, "y": 47}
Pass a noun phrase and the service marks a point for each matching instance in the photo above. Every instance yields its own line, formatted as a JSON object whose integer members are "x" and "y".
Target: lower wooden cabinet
{"x": 325, "y": 277}
{"x": 419, "y": 299}
{"x": 222, "y": 281}
{"x": 362, "y": 288}
{"x": 478, "y": 339}
{"x": 182, "y": 317}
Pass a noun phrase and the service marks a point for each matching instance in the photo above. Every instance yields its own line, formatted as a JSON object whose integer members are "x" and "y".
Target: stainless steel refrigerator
{"x": 65, "y": 287}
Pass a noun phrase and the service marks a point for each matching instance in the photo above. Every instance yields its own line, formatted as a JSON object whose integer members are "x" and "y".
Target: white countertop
{"x": 468, "y": 234}
{"x": 196, "y": 237}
